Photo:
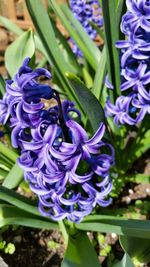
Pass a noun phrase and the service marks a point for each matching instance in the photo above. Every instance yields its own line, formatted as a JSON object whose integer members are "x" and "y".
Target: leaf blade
{"x": 80, "y": 252}
{"x": 111, "y": 224}
{"x": 10, "y": 215}
{"x": 21, "y": 48}
{"x": 14, "y": 177}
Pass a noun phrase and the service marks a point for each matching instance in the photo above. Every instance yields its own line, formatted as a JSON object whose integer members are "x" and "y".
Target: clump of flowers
{"x": 86, "y": 12}
{"x": 67, "y": 169}
{"x": 134, "y": 103}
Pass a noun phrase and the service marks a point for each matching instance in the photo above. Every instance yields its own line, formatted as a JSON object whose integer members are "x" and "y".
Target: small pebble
{"x": 147, "y": 190}
{"x": 128, "y": 200}
{"x": 113, "y": 235}
{"x": 130, "y": 191}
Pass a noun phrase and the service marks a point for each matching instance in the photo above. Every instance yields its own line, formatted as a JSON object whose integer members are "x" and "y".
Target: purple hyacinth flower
{"x": 25, "y": 86}
{"x": 133, "y": 105}
{"x": 22, "y": 100}
{"x": 142, "y": 102}
{"x": 138, "y": 49}
{"x": 122, "y": 110}
{"x": 67, "y": 170}
{"x": 135, "y": 77}
{"x": 53, "y": 169}
{"x": 4, "y": 109}
{"x": 138, "y": 15}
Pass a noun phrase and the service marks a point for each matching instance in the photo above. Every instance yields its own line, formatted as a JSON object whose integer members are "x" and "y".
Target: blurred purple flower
{"x": 86, "y": 12}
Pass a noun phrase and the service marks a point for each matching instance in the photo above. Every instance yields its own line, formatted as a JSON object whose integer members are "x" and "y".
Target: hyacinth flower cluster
{"x": 67, "y": 170}
{"x": 134, "y": 103}
{"x": 86, "y": 12}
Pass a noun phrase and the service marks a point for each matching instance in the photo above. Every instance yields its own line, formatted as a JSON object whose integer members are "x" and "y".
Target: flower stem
{"x": 64, "y": 231}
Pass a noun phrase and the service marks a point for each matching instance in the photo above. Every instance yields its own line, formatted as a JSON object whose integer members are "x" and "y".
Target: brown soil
{"x": 32, "y": 248}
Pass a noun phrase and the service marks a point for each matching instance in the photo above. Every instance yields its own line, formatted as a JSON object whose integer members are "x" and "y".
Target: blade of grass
{"x": 2, "y": 86}
{"x": 99, "y": 76}
{"x": 111, "y": 36}
{"x": 14, "y": 177}
{"x": 10, "y": 25}
{"x": 10, "y": 215}
{"x": 112, "y": 224}
{"x": 62, "y": 41}
{"x": 76, "y": 31}
{"x": 18, "y": 200}
{"x": 8, "y": 153}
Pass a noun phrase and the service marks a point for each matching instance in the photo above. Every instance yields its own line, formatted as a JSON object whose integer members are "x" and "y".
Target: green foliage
{"x": 53, "y": 245}
{"x": 134, "y": 248}
{"x": 110, "y": 15}
{"x": 89, "y": 49}
{"x": 112, "y": 224}
{"x": 125, "y": 262}
{"x": 80, "y": 252}
{"x": 2, "y": 86}
{"x": 87, "y": 99}
{"x": 46, "y": 33}
{"x": 20, "y": 49}
{"x": 8, "y": 248}
{"x": 14, "y": 177}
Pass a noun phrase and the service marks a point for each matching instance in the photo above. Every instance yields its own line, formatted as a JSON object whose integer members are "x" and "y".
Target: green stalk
{"x": 64, "y": 231}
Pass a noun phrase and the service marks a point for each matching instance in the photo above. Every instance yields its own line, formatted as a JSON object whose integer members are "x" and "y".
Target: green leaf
{"x": 99, "y": 76}
{"x": 2, "y": 86}
{"x": 110, "y": 16}
{"x": 66, "y": 50}
{"x": 21, "y": 48}
{"x": 125, "y": 262}
{"x": 89, "y": 102}
{"x": 18, "y": 200}
{"x": 77, "y": 32}
{"x": 14, "y": 177}
{"x": 5, "y": 162}
{"x": 9, "y": 25}
{"x": 46, "y": 33}
{"x": 111, "y": 224}
{"x": 8, "y": 152}
{"x": 80, "y": 252}
{"x": 3, "y": 173}
{"x": 10, "y": 215}
{"x": 138, "y": 248}
{"x": 95, "y": 113}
